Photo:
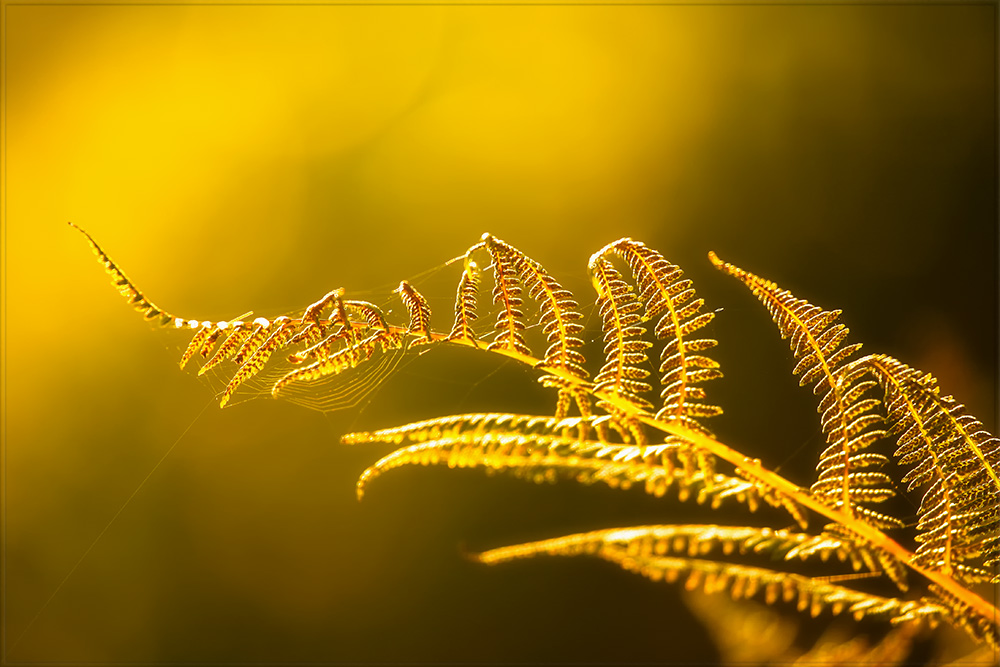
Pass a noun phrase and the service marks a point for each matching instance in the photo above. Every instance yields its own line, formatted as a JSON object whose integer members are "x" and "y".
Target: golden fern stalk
{"x": 612, "y": 429}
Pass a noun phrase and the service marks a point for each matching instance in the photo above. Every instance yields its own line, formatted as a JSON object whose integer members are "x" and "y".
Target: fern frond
{"x": 419, "y": 310}
{"x": 740, "y": 581}
{"x": 957, "y": 460}
{"x": 671, "y": 298}
{"x": 150, "y": 311}
{"x": 586, "y": 462}
{"x": 696, "y": 540}
{"x": 465, "y": 302}
{"x": 537, "y": 448}
{"x": 624, "y": 349}
{"x": 847, "y": 421}
{"x": 454, "y": 426}
{"x": 523, "y": 444}
{"x": 543, "y": 449}
{"x": 517, "y": 455}
{"x": 559, "y": 317}
{"x": 507, "y": 295}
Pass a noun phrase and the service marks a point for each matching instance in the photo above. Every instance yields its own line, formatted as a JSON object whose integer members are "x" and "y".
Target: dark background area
{"x": 237, "y": 158}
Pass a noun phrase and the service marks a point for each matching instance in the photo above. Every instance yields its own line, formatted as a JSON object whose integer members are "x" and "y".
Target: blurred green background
{"x": 253, "y": 157}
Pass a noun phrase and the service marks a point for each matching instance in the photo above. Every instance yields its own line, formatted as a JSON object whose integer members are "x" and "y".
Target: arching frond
{"x": 544, "y": 449}
{"x": 740, "y": 581}
{"x": 537, "y": 448}
{"x": 696, "y": 540}
{"x": 623, "y": 374}
{"x": 559, "y": 317}
{"x": 506, "y": 294}
{"x": 671, "y": 298}
{"x": 848, "y": 475}
{"x": 454, "y": 426}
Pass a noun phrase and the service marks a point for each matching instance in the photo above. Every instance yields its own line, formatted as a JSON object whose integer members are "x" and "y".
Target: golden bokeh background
{"x": 253, "y": 157}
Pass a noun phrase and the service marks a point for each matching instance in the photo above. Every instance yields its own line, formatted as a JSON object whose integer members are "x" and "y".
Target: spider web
{"x": 332, "y": 393}
{"x": 350, "y": 388}
{"x": 358, "y": 385}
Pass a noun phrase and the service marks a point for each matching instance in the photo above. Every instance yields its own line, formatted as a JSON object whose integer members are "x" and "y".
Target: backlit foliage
{"x": 623, "y": 425}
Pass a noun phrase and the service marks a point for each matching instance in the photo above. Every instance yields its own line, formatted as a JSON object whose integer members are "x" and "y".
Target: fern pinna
{"x": 607, "y": 426}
